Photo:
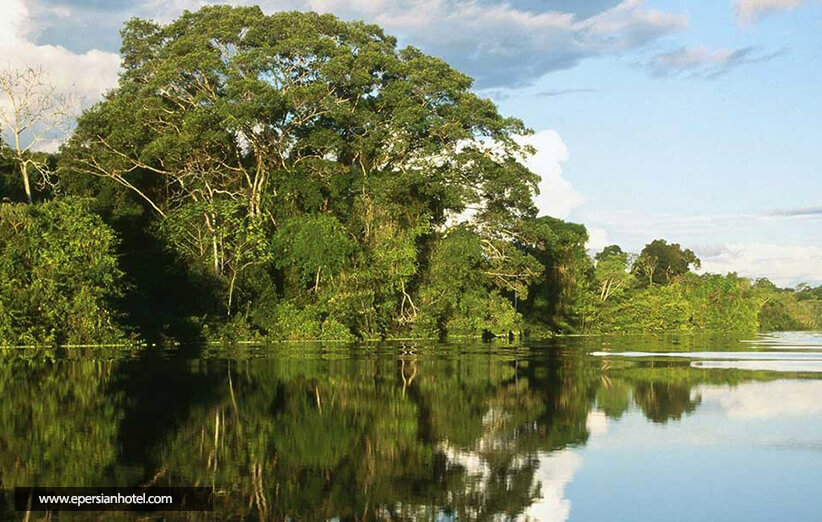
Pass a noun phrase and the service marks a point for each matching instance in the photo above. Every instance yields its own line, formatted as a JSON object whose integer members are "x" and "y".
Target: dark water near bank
{"x": 578, "y": 429}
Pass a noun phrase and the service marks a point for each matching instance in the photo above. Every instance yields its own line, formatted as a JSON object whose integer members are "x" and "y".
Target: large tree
{"x": 229, "y": 124}
{"x": 660, "y": 262}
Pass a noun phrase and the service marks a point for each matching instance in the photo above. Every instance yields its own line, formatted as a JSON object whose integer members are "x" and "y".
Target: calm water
{"x": 579, "y": 429}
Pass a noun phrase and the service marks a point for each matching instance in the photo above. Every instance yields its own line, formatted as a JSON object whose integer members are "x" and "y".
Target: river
{"x": 613, "y": 428}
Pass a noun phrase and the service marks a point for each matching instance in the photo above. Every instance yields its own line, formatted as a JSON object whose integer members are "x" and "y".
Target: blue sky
{"x": 698, "y": 122}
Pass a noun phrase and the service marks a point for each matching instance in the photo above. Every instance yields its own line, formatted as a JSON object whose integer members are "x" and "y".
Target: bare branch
{"x": 32, "y": 111}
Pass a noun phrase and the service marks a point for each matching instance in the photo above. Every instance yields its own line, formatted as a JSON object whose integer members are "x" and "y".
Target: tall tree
{"x": 561, "y": 296}
{"x": 227, "y": 115}
{"x": 661, "y": 262}
{"x": 611, "y": 271}
{"x": 32, "y": 112}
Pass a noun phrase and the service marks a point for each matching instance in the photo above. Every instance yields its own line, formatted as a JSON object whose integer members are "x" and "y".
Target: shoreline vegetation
{"x": 293, "y": 177}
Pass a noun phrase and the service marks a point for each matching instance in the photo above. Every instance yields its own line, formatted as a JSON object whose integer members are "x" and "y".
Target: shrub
{"x": 58, "y": 275}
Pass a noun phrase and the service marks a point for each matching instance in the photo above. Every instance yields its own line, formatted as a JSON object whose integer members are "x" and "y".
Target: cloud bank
{"x": 557, "y": 197}
{"x": 702, "y": 62}
{"x": 88, "y": 74}
{"x": 786, "y": 265}
{"x": 751, "y": 10}
{"x": 753, "y": 245}
{"x": 500, "y": 43}
{"x": 799, "y": 212}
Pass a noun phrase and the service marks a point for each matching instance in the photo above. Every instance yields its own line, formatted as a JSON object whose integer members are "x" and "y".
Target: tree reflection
{"x": 324, "y": 433}
{"x": 664, "y": 401}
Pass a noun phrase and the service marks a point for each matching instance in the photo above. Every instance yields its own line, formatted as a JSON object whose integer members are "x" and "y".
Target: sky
{"x": 696, "y": 122}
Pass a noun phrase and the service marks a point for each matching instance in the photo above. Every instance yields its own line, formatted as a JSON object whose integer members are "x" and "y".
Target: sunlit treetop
{"x": 299, "y": 112}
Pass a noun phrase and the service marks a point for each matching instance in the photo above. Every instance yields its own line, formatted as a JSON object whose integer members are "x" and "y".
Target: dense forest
{"x": 293, "y": 176}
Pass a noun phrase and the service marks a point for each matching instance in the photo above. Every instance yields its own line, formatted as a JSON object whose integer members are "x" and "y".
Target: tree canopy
{"x": 659, "y": 262}
{"x": 314, "y": 139}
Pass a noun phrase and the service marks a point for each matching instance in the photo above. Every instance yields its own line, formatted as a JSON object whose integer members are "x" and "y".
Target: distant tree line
{"x": 294, "y": 176}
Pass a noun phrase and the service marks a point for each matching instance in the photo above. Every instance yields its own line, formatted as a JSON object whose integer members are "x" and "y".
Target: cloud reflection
{"x": 760, "y": 400}
{"x": 555, "y": 471}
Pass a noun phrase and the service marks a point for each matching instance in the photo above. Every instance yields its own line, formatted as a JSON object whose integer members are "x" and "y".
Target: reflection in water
{"x": 554, "y": 473}
{"x": 471, "y": 433}
{"x": 765, "y": 356}
{"x": 766, "y": 400}
{"x": 771, "y": 366}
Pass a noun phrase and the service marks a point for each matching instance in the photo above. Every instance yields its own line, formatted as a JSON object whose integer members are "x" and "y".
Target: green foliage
{"x": 286, "y": 321}
{"x": 785, "y": 309}
{"x": 805, "y": 292}
{"x": 562, "y": 296}
{"x": 460, "y": 292}
{"x": 296, "y": 176}
{"x": 655, "y": 309}
{"x": 710, "y": 303}
{"x": 11, "y": 181}
{"x": 58, "y": 275}
{"x": 611, "y": 273}
{"x": 310, "y": 245}
{"x": 660, "y": 263}
{"x": 724, "y": 304}
{"x": 309, "y": 149}
{"x": 11, "y": 186}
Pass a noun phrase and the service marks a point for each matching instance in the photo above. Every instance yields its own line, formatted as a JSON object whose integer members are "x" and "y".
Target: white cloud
{"x": 704, "y": 62}
{"x": 629, "y": 25}
{"x": 557, "y": 197}
{"x": 750, "y": 10}
{"x": 501, "y": 45}
{"x": 597, "y": 239}
{"x": 497, "y": 42}
{"x": 785, "y": 265}
{"x": 12, "y": 23}
{"x": 87, "y": 75}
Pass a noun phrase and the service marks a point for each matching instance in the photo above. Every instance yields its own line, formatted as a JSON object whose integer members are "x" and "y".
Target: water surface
{"x": 637, "y": 428}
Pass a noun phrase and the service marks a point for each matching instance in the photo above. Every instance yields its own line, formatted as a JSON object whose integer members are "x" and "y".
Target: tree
{"x": 462, "y": 289}
{"x": 611, "y": 251}
{"x": 561, "y": 296}
{"x": 310, "y": 245}
{"x": 301, "y": 116}
{"x": 611, "y": 271}
{"x": 32, "y": 111}
{"x": 10, "y": 183}
{"x": 58, "y": 275}
{"x": 660, "y": 262}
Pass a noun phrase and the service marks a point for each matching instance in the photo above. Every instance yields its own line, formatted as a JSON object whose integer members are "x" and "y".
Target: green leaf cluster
{"x": 59, "y": 275}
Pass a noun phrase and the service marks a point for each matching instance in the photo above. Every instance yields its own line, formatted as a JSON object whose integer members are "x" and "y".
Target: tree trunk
{"x": 24, "y": 171}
